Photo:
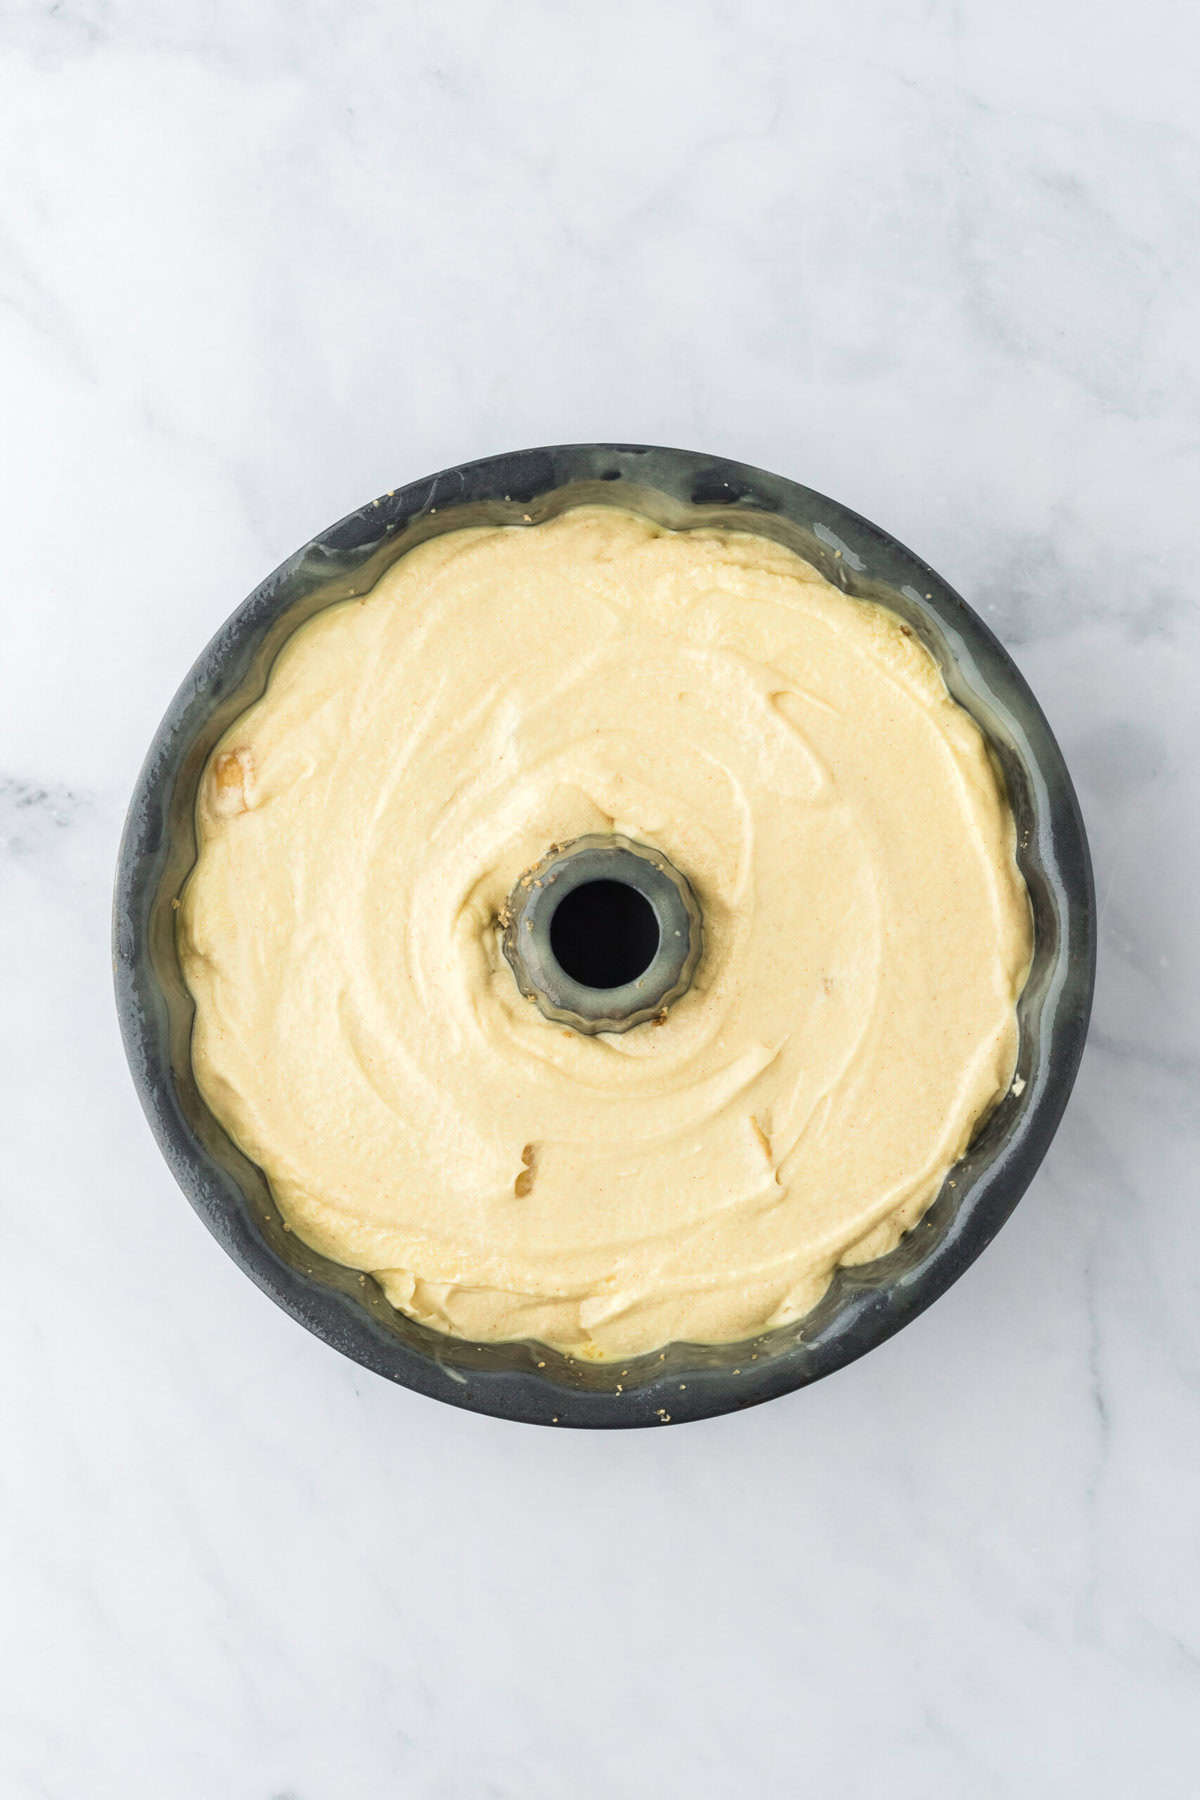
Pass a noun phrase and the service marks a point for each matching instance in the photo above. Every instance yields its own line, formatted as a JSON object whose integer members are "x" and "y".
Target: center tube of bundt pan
{"x": 603, "y": 934}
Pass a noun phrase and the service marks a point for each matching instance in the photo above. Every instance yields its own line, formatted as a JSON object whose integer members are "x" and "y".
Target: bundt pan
{"x": 527, "y": 1381}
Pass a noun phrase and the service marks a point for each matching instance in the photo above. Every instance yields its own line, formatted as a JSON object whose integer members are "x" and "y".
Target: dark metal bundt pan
{"x": 526, "y": 1381}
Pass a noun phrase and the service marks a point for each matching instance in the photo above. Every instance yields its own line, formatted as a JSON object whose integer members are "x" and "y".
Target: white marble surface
{"x": 260, "y": 261}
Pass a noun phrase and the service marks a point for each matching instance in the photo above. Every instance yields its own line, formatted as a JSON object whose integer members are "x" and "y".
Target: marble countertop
{"x": 260, "y": 262}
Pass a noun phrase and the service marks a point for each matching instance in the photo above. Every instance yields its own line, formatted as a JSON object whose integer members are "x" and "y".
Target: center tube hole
{"x": 604, "y": 933}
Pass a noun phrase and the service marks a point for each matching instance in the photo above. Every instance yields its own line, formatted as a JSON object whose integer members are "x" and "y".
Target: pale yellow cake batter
{"x": 795, "y": 754}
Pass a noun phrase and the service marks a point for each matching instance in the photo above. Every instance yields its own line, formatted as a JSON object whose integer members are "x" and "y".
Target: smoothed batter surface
{"x": 793, "y": 751}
